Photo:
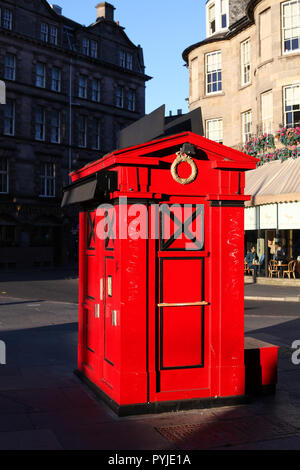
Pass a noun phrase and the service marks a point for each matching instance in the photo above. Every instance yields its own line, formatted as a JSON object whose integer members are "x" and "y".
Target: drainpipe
{"x": 70, "y": 119}
{"x": 2, "y": 93}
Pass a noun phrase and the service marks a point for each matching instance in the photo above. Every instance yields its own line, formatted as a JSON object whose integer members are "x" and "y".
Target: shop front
{"x": 273, "y": 214}
{"x": 268, "y": 224}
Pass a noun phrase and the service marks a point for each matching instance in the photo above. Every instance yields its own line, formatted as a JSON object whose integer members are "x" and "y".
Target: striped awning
{"x": 274, "y": 182}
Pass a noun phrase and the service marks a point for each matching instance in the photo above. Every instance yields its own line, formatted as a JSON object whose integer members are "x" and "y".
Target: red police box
{"x": 161, "y": 288}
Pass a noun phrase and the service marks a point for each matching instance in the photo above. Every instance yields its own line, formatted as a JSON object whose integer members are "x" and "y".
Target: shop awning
{"x": 274, "y": 182}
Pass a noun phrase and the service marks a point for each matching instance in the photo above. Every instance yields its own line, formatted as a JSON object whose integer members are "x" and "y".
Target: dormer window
{"x": 49, "y": 33}
{"x": 126, "y": 60}
{"x": 6, "y": 18}
{"x": 223, "y": 14}
{"x": 89, "y": 47}
{"x": 216, "y": 16}
{"x": 212, "y": 19}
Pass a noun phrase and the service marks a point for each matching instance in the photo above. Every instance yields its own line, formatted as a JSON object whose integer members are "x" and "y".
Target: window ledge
{"x": 212, "y": 95}
{"x": 242, "y": 87}
{"x": 285, "y": 55}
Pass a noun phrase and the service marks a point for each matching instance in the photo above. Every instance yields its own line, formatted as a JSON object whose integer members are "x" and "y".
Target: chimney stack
{"x": 105, "y": 10}
{"x": 57, "y": 9}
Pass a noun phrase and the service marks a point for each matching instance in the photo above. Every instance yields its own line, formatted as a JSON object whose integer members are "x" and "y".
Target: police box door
{"x": 182, "y": 356}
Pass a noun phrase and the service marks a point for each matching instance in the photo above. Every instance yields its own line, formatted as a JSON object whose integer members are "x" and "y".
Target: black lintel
{"x": 92, "y": 188}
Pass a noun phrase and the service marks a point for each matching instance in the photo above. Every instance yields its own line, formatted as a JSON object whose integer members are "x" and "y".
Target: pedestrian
{"x": 252, "y": 260}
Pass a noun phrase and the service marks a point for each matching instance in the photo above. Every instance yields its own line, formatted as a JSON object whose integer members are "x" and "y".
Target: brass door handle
{"x": 184, "y": 304}
{"x": 97, "y": 311}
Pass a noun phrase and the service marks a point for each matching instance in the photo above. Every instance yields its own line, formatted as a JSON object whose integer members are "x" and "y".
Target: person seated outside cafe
{"x": 252, "y": 260}
{"x": 280, "y": 257}
{"x": 280, "y": 254}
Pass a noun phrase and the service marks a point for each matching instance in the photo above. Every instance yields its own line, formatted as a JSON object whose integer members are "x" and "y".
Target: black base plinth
{"x": 164, "y": 406}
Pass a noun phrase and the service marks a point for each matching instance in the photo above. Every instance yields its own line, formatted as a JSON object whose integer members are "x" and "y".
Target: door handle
{"x": 109, "y": 286}
{"x": 97, "y": 311}
{"x": 101, "y": 288}
{"x": 183, "y": 304}
{"x": 114, "y": 318}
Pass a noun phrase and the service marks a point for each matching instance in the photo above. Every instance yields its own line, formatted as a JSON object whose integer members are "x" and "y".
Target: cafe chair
{"x": 273, "y": 268}
{"x": 290, "y": 270}
{"x": 246, "y": 268}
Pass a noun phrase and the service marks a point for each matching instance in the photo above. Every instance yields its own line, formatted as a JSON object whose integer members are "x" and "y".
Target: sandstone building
{"x": 245, "y": 75}
{"x": 70, "y": 89}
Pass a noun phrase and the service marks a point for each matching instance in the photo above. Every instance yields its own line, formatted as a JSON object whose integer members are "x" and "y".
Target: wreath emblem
{"x": 182, "y": 157}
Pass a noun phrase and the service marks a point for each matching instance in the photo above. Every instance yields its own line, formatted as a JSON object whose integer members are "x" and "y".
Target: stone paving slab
{"x": 44, "y": 406}
{"x": 42, "y": 439}
{"x": 226, "y": 432}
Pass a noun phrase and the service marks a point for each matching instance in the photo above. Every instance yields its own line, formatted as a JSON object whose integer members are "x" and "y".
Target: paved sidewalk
{"x": 272, "y": 293}
{"x": 42, "y": 284}
{"x": 43, "y": 405}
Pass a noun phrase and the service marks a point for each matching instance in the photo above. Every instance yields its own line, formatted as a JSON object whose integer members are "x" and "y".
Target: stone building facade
{"x": 70, "y": 89}
{"x": 245, "y": 75}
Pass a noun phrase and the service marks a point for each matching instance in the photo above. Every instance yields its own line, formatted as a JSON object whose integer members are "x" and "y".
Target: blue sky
{"x": 164, "y": 28}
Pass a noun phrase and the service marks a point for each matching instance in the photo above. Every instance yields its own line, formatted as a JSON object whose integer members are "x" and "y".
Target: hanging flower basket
{"x": 258, "y": 146}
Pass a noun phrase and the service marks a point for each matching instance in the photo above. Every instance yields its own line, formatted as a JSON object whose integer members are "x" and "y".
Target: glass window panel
{"x": 9, "y": 117}
{"x": 213, "y": 72}
{"x": 53, "y": 35}
{"x": 40, "y": 75}
{"x": 214, "y": 130}
{"x": 291, "y": 25}
{"x": 10, "y": 67}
